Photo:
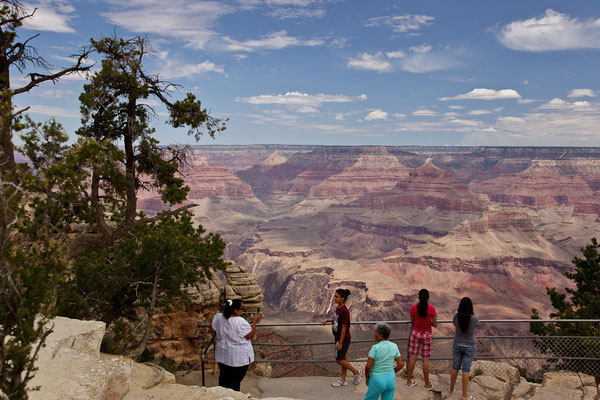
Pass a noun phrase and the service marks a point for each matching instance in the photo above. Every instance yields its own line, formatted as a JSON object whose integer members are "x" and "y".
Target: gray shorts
{"x": 462, "y": 357}
{"x": 340, "y": 355}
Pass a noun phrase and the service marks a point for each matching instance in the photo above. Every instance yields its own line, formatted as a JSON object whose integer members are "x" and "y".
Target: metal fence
{"x": 287, "y": 352}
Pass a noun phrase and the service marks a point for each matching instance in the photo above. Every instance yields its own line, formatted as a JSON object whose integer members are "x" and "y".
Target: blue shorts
{"x": 462, "y": 357}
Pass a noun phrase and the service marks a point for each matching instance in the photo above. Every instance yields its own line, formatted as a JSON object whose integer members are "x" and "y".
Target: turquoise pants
{"x": 381, "y": 385}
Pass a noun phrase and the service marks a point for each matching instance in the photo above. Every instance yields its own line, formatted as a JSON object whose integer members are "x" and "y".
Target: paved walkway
{"x": 319, "y": 388}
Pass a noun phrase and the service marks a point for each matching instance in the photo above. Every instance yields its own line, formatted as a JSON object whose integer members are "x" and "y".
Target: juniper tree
{"x": 580, "y": 302}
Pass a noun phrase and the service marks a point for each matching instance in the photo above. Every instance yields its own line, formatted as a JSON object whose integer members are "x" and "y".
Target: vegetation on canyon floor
{"x": 77, "y": 203}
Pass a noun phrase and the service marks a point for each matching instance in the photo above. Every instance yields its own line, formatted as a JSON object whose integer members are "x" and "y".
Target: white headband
{"x": 229, "y": 302}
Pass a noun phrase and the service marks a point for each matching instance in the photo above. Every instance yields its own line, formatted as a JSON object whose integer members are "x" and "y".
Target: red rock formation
{"x": 537, "y": 186}
{"x": 426, "y": 186}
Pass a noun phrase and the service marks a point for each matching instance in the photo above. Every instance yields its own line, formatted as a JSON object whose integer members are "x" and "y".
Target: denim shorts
{"x": 462, "y": 357}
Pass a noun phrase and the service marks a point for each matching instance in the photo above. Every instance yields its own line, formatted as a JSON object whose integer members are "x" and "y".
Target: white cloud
{"x": 424, "y": 48}
{"x": 56, "y": 93}
{"x": 485, "y": 94}
{"x": 376, "y": 114}
{"x": 190, "y": 21}
{"x": 53, "y": 111}
{"x": 425, "y": 113}
{"x": 560, "y": 104}
{"x": 371, "y": 62}
{"x": 553, "y": 31}
{"x": 451, "y": 114}
{"x": 427, "y": 61}
{"x": 307, "y": 110}
{"x": 240, "y": 56}
{"x": 456, "y": 107}
{"x": 295, "y": 12}
{"x": 300, "y": 99}
{"x": 395, "y": 54}
{"x": 272, "y": 41}
{"x": 46, "y": 17}
{"x": 399, "y": 115}
{"x": 191, "y": 69}
{"x": 484, "y": 112}
{"x": 582, "y": 93}
{"x": 526, "y": 101}
{"x": 401, "y": 23}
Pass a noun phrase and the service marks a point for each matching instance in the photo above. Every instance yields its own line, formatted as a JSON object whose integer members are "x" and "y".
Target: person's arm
{"x": 250, "y": 335}
{"x": 399, "y": 364}
{"x": 326, "y": 321}
{"x": 370, "y": 362}
{"x": 412, "y": 321}
{"x": 434, "y": 321}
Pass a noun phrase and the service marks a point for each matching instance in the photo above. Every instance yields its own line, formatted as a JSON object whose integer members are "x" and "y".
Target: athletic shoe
{"x": 339, "y": 383}
{"x": 358, "y": 377}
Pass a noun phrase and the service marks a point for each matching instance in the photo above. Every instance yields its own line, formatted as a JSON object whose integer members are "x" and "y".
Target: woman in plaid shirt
{"x": 422, "y": 317}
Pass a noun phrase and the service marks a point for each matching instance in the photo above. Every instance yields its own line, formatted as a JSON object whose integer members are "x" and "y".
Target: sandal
{"x": 411, "y": 384}
{"x": 450, "y": 394}
{"x": 432, "y": 388}
{"x": 470, "y": 398}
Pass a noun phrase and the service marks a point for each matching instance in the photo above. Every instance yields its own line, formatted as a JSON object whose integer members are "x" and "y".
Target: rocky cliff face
{"x": 177, "y": 335}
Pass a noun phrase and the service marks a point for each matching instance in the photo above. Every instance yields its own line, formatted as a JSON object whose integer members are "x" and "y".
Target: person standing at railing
{"x": 422, "y": 317}
{"x": 380, "y": 372}
{"x": 233, "y": 350}
{"x": 341, "y": 332}
{"x": 463, "y": 349}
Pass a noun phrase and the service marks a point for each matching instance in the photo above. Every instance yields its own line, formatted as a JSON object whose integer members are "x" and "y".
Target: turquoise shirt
{"x": 384, "y": 353}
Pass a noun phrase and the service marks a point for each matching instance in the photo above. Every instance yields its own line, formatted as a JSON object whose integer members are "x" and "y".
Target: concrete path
{"x": 319, "y": 388}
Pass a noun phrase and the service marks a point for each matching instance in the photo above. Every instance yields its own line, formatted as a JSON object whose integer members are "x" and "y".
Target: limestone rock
{"x": 562, "y": 379}
{"x": 240, "y": 284}
{"x": 500, "y": 370}
{"x": 492, "y": 387}
{"x": 75, "y": 375}
{"x": 525, "y": 390}
{"x": 83, "y": 336}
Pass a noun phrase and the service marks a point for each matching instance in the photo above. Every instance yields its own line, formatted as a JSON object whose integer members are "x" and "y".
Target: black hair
{"x": 344, "y": 293}
{"x": 465, "y": 310}
{"x": 423, "y": 303}
{"x": 231, "y": 305}
{"x": 383, "y": 329}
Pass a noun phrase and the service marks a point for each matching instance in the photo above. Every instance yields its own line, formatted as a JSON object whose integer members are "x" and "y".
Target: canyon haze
{"x": 497, "y": 224}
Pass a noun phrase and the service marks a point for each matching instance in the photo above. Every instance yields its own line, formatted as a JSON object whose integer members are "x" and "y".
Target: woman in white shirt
{"x": 233, "y": 350}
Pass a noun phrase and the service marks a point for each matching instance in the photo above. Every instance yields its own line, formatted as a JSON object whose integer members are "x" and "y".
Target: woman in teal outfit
{"x": 380, "y": 370}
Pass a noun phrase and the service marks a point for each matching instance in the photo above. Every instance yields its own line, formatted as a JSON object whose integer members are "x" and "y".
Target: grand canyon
{"x": 498, "y": 224}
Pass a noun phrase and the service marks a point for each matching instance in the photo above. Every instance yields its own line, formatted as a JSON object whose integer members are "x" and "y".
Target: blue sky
{"x": 350, "y": 72}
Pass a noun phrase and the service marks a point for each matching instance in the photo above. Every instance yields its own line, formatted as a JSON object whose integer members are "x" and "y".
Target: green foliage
{"x": 149, "y": 268}
{"x": 581, "y": 302}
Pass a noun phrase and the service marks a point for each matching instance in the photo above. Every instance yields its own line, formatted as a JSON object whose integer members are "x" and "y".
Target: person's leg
{"x": 224, "y": 376}
{"x": 411, "y": 368}
{"x": 456, "y": 365}
{"x": 425, "y": 354}
{"x": 465, "y": 385}
{"x": 453, "y": 376}
{"x": 468, "y": 357}
{"x": 376, "y": 387}
{"x": 237, "y": 375}
{"x": 426, "y": 372}
{"x": 390, "y": 386}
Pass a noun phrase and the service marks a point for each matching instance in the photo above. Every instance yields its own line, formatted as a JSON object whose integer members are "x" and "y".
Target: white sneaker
{"x": 358, "y": 377}
{"x": 339, "y": 383}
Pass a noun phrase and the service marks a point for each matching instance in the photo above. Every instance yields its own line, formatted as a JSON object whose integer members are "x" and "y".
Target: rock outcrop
{"x": 71, "y": 368}
{"x": 177, "y": 335}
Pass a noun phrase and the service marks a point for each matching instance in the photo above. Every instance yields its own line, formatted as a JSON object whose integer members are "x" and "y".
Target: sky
{"x": 348, "y": 72}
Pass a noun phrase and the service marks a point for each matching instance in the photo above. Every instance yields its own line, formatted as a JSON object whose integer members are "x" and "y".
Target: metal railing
{"x": 532, "y": 355}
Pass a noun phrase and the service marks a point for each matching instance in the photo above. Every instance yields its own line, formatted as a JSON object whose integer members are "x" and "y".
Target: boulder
{"x": 75, "y": 375}
{"x": 500, "y": 370}
{"x": 83, "y": 336}
{"x": 562, "y": 379}
{"x": 493, "y": 387}
{"x": 525, "y": 390}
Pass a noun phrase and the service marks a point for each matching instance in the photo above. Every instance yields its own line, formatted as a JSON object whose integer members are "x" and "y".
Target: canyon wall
{"x": 498, "y": 224}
